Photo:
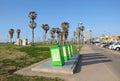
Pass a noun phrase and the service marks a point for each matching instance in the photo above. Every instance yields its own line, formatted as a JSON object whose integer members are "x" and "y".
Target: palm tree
{"x": 65, "y": 26}
{"x": 32, "y": 25}
{"x": 78, "y": 34}
{"x": 11, "y": 32}
{"x": 45, "y": 28}
{"x": 18, "y": 33}
{"x": 57, "y": 30}
{"x": 74, "y": 36}
{"x": 82, "y": 28}
{"x": 32, "y": 15}
{"x": 52, "y": 32}
{"x": 61, "y": 37}
{"x": 74, "y": 33}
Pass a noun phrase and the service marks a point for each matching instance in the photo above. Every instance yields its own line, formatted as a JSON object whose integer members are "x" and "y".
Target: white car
{"x": 117, "y": 47}
{"x": 114, "y": 44}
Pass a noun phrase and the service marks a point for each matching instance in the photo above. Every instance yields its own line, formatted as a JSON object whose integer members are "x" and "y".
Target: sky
{"x": 100, "y": 16}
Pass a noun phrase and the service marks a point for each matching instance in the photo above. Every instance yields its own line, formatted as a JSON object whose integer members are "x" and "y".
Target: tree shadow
{"x": 89, "y": 59}
{"x": 92, "y": 55}
{"x": 94, "y": 62}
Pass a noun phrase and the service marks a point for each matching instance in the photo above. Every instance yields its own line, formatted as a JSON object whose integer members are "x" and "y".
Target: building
{"x": 115, "y": 38}
{"x": 87, "y": 36}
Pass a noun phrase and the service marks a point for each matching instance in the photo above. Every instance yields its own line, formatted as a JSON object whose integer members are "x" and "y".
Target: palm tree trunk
{"x": 32, "y": 36}
{"x": 78, "y": 39}
{"x": 45, "y": 37}
{"x": 18, "y": 35}
{"x": 64, "y": 38}
{"x": 58, "y": 38}
{"x": 11, "y": 40}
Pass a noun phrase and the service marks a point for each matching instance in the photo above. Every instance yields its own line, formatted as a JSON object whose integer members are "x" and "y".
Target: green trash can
{"x": 56, "y": 56}
{"x": 72, "y": 52}
{"x": 68, "y": 51}
{"x": 64, "y": 51}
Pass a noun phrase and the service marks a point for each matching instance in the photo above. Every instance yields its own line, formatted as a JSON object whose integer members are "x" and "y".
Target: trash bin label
{"x": 55, "y": 55}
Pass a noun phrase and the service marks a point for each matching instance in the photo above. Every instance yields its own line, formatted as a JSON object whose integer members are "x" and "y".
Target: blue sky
{"x": 100, "y": 16}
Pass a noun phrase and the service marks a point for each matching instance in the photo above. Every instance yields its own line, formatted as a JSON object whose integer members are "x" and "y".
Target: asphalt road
{"x": 112, "y": 56}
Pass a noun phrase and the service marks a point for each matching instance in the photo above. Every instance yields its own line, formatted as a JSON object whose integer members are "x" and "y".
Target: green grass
{"x": 76, "y": 47}
{"x": 13, "y": 58}
{"x": 28, "y": 78}
{"x": 36, "y": 51}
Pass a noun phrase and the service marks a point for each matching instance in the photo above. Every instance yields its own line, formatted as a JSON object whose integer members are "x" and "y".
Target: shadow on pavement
{"x": 89, "y": 59}
{"x": 92, "y": 55}
{"x": 94, "y": 62}
{"x": 78, "y": 67}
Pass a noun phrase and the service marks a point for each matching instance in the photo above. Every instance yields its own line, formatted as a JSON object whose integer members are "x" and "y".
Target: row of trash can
{"x": 61, "y": 54}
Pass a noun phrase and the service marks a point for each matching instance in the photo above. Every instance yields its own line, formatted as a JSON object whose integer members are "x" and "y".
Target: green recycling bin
{"x": 56, "y": 55}
{"x": 71, "y": 47}
{"x": 64, "y": 51}
{"x": 68, "y": 51}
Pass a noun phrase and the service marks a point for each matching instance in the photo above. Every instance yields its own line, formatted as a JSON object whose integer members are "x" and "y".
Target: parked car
{"x": 103, "y": 44}
{"x": 116, "y": 47}
{"x": 97, "y": 43}
{"x": 114, "y": 44}
{"x": 107, "y": 45}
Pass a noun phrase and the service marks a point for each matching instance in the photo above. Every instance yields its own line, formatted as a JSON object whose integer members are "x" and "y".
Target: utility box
{"x": 64, "y": 51}
{"x": 19, "y": 42}
{"x": 56, "y": 55}
{"x": 24, "y": 42}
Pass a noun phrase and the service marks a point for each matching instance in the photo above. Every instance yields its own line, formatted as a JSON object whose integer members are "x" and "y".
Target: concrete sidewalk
{"x": 93, "y": 69}
{"x": 90, "y": 68}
